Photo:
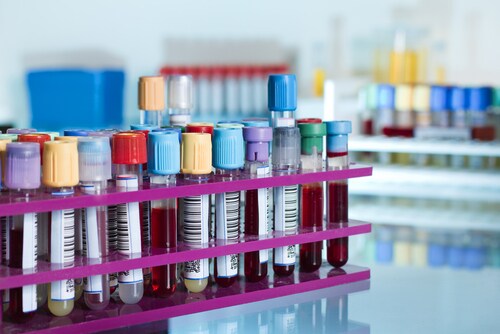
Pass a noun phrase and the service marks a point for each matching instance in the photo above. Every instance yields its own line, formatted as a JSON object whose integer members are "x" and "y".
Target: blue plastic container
{"x": 76, "y": 98}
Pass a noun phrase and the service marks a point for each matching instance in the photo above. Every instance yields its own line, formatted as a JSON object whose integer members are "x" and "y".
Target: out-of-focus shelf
{"x": 47, "y": 272}
{"x": 430, "y": 182}
{"x": 43, "y": 202}
{"x": 149, "y": 310}
{"x": 424, "y": 217}
{"x": 424, "y": 146}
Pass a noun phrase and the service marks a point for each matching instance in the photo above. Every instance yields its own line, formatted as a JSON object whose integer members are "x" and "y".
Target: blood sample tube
{"x": 311, "y": 195}
{"x": 42, "y": 219}
{"x": 200, "y": 127}
{"x": 385, "y": 107}
{"x": 458, "y": 107}
{"x": 286, "y": 160}
{"x": 440, "y": 105}
{"x": 60, "y": 175}
{"x": 128, "y": 156}
{"x": 196, "y": 165}
{"x": 164, "y": 164}
{"x": 23, "y": 178}
{"x": 3, "y": 219}
{"x": 255, "y": 122}
{"x": 151, "y": 91}
{"x": 337, "y": 200}
{"x": 479, "y": 102}
{"x": 17, "y": 131}
{"x": 282, "y": 99}
{"x": 257, "y": 200}
{"x": 228, "y": 160}
{"x": 180, "y": 99}
{"x": 404, "y": 113}
{"x": 94, "y": 159}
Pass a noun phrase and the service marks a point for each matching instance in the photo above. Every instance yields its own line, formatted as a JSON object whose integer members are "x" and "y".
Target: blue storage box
{"x": 76, "y": 98}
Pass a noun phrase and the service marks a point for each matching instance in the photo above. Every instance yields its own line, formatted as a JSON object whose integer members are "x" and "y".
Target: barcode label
{"x": 5, "y": 240}
{"x": 196, "y": 210}
{"x": 62, "y": 250}
{"x": 285, "y": 220}
{"x": 78, "y": 230}
{"x": 130, "y": 276}
{"x": 128, "y": 220}
{"x": 227, "y": 208}
{"x": 197, "y": 269}
{"x": 91, "y": 247}
{"x": 29, "y": 259}
{"x": 144, "y": 206}
{"x": 112, "y": 227}
{"x": 263, "y": 204}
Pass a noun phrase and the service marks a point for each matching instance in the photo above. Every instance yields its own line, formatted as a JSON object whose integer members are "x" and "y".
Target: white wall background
{"x": 134, "y": 32}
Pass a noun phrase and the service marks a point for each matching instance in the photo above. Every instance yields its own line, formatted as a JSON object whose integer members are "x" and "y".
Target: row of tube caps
{"x": 409, "y": 106}
{"x": 160, "y": 156}
{"x": 457, "y": 249}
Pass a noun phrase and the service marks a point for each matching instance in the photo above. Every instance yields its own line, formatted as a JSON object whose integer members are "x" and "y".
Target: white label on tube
{"x": 285, "y": 220}
{"x": 263, "y": 204}
{"x": 130, "y": 276}
{"x": 62, "y": 250}
{"x": 94, "y": 283}
{"x": 197, "y": 269}
{"x": 129, "y": 220}
{"x": 227, "y": 209}
{"x": 29, "y": 259}
{"x": 196, "y": 214}
{"x": 285, "y": 122}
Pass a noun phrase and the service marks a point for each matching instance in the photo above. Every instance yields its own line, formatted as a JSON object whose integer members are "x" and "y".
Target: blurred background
{"x": 393, "y": 68}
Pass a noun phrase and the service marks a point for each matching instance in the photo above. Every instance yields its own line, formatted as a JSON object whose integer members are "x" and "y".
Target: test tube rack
{"x": 180, "y": 303}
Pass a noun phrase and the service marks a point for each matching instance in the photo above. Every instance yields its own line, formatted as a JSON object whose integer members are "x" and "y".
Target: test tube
{"x": 18, "y": 131}
{"x": 151, "y": 91}
{"x": 3, "y": 219}
{"x": 458, "y": 107}
{"x": 228, "y": 160}
{"x": 245, "y": 91}
{"x": 180, "y": 99}
{"x": 60, "y": 175}
{"x": 23, "y": 178}
{"x": 94, "y": 159}
{"x": 164, "y": 164}
{"x": 282, "y": 99}
{"x": 286, "y": 160}
{"x": 200, "y": 127}
{"x": 337, "y": 195}
{"x": 479, "y": 102}
{"x": 217, "y": 90}
{"x": 196, "y": 165}
{"x": 42, "y": 219}
{"x": 203, "y": 91}
{"x": 404, "y": 112}
{"x": 385, "y": 107}
{"x": 440, "y": 104}
{"x": 257, "y": 200}
{"x": 231, "y": 90}
{"x": 311, "y": 195}
{"x": 128, "y": 156}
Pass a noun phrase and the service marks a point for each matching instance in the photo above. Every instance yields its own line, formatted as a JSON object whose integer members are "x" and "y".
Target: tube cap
{"x": 403, "y": 97}
{"x": 257, "y": 138}
{"x": 286, "y": 148}
{"x": 282, "y": 92}
{"x": 148, "y": 127}
{"x": 200, "y": 127}
{"x": 371, "y": 96}
{"x": 60, "y": 164}
{"x": 180, "y": 91}
{"x": 458, "y": 99}
{"x": 76, "y": 133}
{"x": 229, "y": 124}
{"x": 440, "y": 98}
{"x": 39, "y": 138}
{"x": 228, "y": 148}
{"x": 52, "y": 134}
{"x": 22, "y": 166}
{"x": 94, "y": 159}
{"x": 129, "y": 148}
{"x": 496, "y": 97}
{"x": 66, "y": 138}
{"x": 386, "y": 97}
{"x": 179, "y": 119}
{"x": 480, "y": 98}
{"x": 196, "y": 153}
{"x": 421, "y": 98}
{"x": 11, "y": 137}
{"x": 151, "y": 93}
{"x": 311, "y": 136}
{"x": 177, "y": 130}
{"x": 104, "y": 134}
{"x": 256, "y": 122}
{"x": 309, "y": 120}
{"x": 17, "y": 131}
{"x": 337, "y": 132}
{"x": 164, "y": 152}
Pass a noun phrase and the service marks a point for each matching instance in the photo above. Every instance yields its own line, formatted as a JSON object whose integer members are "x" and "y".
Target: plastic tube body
{"x": 195, "y": 218}
{"x": 152, "y": 117}
{"x": 227, "y": 228}
{"x": 256, "y": 222}
{"x": 131, "y": 288}
{"x": 95, "y": 246}
{"x": 164, "y": 235}
{"x": 283, "y": 119}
